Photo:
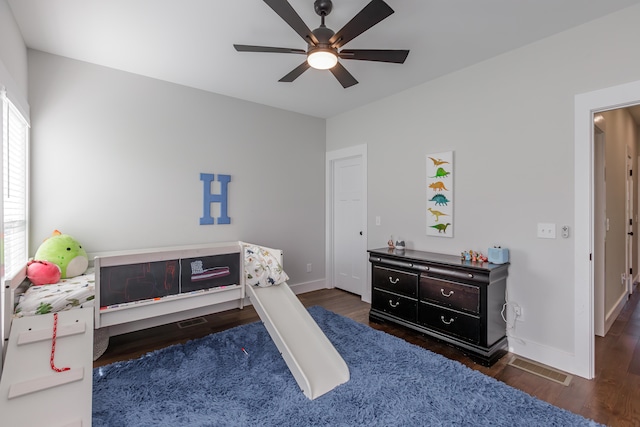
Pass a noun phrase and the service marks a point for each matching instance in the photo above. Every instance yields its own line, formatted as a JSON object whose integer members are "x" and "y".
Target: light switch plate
{"x": 546, "y": 230}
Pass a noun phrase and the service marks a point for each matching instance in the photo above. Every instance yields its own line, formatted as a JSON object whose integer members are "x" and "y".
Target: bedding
{"x": 67, "y": 294}
{"x": 262, "y": 268}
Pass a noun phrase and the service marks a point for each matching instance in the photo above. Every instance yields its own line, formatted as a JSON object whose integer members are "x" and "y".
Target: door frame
{"x": 599, "y": 228}
{"x": 630, "y": 221}
{"x": 331, "y": 158}
{"x": 585, "y": 106}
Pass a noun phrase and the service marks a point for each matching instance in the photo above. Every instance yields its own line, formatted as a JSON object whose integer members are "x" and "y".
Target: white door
{"x": 349, "y": 253}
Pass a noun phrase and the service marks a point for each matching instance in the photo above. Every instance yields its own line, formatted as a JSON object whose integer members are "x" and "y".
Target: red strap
{"x": 53, "y": 344}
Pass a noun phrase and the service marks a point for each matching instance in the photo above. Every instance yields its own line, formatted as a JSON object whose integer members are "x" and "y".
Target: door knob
{"x": 361, "y": 233}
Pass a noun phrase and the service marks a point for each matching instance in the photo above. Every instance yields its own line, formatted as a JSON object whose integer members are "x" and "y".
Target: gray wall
{"x": 510, "y": 122}
{"x": 116, "y": 163}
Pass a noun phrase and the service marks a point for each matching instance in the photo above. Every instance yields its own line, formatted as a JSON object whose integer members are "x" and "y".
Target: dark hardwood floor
{"x": 612, "y": 398}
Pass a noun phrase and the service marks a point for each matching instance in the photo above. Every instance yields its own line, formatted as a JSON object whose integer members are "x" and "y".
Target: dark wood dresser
{"x": 459, "y": 302}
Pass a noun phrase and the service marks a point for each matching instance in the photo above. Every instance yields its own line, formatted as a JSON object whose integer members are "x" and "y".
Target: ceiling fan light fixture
{"x": 322, "y": 58}
{"x": 324, "y": 46}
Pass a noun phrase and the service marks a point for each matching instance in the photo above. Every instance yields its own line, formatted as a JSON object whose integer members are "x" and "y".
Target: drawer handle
{"x": 392, "y": 282}
{"x": 470, "y": 276}
{"x": 445, "y": 321}
{"x": 446, "y": 295}
{"x": 392, "y": 305}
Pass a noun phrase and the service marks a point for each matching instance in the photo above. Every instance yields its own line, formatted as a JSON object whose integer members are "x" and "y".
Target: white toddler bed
{"x": 312, "y": 359}
{"x": 65, "y": 319}
{"x": 24, "y": 300}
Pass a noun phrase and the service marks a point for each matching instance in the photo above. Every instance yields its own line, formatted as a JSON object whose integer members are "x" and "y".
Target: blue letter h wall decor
{"x": 207, "y": 179}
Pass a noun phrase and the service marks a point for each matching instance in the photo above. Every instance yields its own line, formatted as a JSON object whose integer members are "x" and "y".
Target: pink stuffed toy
{"x": 43, "y": 272}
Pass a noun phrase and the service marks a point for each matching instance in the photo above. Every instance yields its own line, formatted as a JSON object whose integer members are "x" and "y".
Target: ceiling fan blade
{"x": 291, "y": 17}
{"x": 344, "y": 77}
{"x": 374, "y": 12}
{"x": 295, "y": 73}
{"x": 380, "y": 55}
{"x": 248, "y": 48}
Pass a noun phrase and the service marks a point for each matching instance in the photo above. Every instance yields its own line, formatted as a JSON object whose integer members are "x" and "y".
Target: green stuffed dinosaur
{"x": 64, "y": 251}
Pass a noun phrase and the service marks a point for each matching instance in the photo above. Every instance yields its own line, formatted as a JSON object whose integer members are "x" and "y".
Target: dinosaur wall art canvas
{"x": 440, "y": 194}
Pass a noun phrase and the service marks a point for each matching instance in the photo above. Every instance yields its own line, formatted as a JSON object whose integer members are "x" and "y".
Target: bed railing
{"x": 12, "y": 286}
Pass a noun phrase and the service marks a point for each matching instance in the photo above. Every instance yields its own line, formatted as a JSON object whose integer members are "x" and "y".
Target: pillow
{"x": 261, "y": 268}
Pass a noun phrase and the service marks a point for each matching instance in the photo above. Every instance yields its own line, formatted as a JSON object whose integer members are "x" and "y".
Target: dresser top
{"x": 434, "y": 258}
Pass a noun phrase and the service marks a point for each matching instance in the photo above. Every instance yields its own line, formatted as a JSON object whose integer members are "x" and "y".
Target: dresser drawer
{"x": 450, "y": 322}
{"x": 396, "y": 281}
{"x": 472, "y": 276}
{"x": 395, "y": 305}
{"x": 450, "y": 294}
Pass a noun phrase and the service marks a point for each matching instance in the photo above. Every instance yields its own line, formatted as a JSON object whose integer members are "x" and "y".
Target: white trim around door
{"x": 583, "y": 358}
{"x": 331, "y": 158}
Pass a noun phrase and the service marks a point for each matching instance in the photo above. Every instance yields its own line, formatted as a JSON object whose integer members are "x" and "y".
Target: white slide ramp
{"x": 312, "y": 359}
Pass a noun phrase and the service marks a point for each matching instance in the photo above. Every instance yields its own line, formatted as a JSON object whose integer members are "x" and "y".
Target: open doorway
{"x": 587, "y": 105}
{"x": 615, "y": 150}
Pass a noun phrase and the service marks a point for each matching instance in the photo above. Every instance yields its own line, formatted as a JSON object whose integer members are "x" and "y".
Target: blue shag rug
{"x": 212, "y": 382}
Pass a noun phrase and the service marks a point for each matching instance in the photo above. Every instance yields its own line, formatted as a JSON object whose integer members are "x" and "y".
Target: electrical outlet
{"x": 517, "y": 310}
{"x": 309, "y": 268}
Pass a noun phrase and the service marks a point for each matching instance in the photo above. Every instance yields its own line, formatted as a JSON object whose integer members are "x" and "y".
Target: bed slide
{"x": 313, "y": 360}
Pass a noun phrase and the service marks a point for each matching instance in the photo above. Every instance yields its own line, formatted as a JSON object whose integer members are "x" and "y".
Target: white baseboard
{"x": 301, "y": 288}
{"x": 615, "y": 311}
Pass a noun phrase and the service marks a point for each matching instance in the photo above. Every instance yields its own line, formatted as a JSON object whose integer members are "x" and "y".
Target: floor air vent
{"x": 191, "y": 322}
{"x": 541, "y": 370}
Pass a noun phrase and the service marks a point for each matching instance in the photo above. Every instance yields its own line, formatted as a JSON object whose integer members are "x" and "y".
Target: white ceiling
{"x": 190, "y": 42}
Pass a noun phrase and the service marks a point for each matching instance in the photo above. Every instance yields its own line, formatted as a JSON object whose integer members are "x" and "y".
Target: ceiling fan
{"x": 324, "y": 47}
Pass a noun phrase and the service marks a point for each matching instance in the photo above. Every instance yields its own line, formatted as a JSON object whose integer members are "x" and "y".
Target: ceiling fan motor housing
{"x": 323, "y": 34}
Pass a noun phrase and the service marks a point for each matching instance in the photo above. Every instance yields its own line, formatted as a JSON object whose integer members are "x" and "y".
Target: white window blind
{"x": 15, "y": 138}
